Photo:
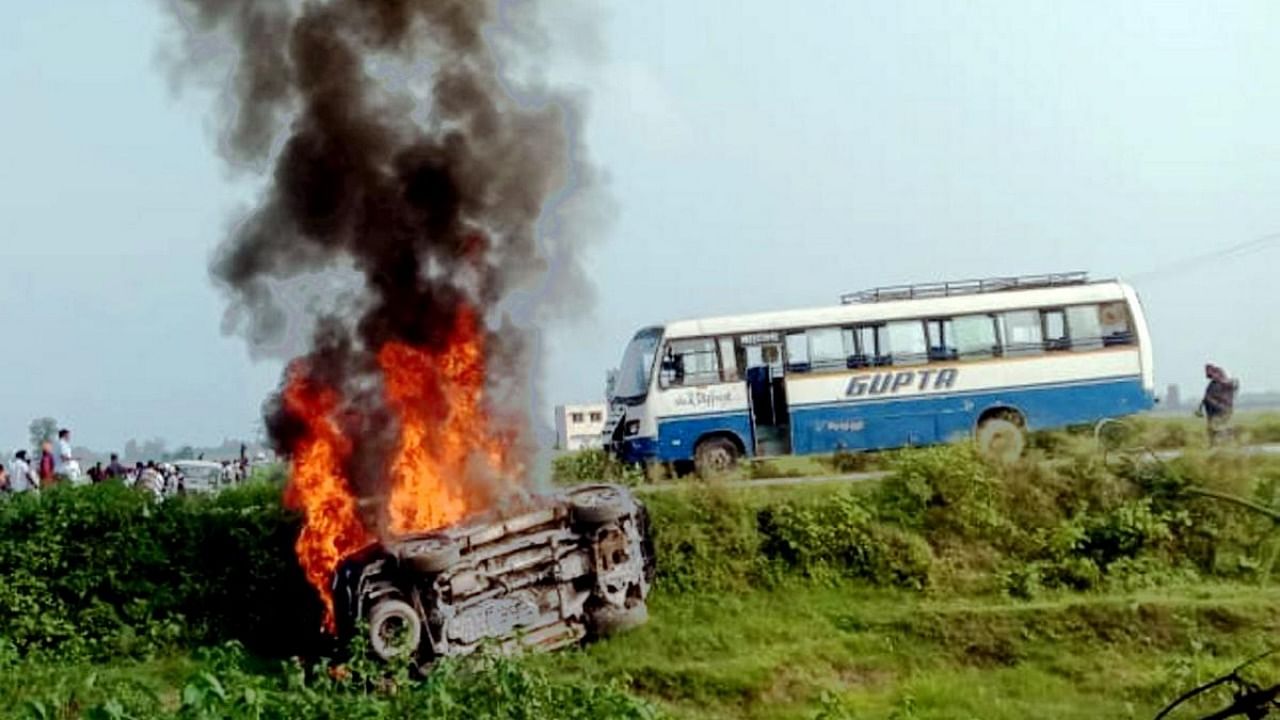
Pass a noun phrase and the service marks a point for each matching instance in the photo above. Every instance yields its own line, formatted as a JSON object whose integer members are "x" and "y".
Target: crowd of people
{"x": 57, "y": 464}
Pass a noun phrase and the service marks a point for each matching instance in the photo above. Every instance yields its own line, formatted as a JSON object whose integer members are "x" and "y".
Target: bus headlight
{"x": 632, "y": 428}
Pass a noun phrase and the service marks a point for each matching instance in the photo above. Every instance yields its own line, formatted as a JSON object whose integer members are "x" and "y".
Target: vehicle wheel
{"x": 394, "y": 629}
{"x": 610, "y": 620}
{"x": 715, "y": 456}
{"x": 434, "y": 554}
{"x": 599, "y": 504}
{"x": 1113, "y": 433}
{"x": 1001, "y": 439}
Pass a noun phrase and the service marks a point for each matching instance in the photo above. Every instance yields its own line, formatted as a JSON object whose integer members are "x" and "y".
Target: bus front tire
{"x": 1001, "y": 439}
{"x": 715, "y": 456}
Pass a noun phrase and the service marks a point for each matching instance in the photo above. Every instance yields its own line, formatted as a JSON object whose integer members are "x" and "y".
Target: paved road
{"x": 1267, "y": 449}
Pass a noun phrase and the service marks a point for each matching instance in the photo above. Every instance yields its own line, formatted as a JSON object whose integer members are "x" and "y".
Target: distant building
{"x": 1173, "y": 397}
{"x": 579, "y": 426}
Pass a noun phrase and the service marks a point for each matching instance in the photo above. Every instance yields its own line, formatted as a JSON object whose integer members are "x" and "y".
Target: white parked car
{"x": 201, "y": 475}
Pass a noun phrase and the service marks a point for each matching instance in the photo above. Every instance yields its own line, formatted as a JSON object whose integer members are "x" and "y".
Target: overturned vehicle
{"x": 577, "y": 567}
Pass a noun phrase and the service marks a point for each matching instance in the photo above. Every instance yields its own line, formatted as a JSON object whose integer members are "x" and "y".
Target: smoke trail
{"x": 402, "y": 165}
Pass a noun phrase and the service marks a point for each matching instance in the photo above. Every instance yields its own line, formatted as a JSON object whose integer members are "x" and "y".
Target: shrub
{"x": 103, "y": 570}
{"x": 941, "y": 491}
{"x": 844, "y": 462}
{"x": 593, "y": 466}
{"x": 841, "y": 538}
{"x": 705, "y": 537}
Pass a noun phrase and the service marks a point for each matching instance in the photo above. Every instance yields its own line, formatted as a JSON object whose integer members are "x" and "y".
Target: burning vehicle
{"x": 419, "y": 225}
{"x": 578, "y": 565}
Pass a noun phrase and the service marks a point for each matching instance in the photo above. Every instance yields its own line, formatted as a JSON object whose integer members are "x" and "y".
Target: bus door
{"x": 767, "y": 390}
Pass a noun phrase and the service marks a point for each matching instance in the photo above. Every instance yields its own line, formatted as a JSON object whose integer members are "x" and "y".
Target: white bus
{"x": 888, "y": 367}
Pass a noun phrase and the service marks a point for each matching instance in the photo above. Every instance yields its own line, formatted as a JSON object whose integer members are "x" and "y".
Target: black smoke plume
{"x": 406, "y": 181}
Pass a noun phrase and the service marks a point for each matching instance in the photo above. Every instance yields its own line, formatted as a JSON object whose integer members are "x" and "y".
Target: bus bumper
{"x": 636, "y": 450}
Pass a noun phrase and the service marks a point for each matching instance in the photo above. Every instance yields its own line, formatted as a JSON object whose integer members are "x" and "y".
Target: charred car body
{"x": 578, "y": 566}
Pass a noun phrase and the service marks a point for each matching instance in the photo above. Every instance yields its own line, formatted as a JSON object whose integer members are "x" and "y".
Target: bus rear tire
{"x": 1002, "y": 439}
{"x": 715, "y": 456}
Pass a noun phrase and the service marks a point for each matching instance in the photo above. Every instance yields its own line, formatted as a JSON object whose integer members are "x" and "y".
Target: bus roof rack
{"x": 964, "y": 287}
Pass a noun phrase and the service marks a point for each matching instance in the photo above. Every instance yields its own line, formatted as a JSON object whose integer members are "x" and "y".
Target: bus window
{"x": 690, "y": 362}
{"x": 1085, "y": 328}
{"x": 797, "y": 352}
{"x": 941, "y": 340}
{"x": 1021, "y": 332}
{"x": 907, "y": 344}
{"x": 1055, "y": 329}
{"x": 730, "y": 360}
{"x": 869, "y": 346}
{"x": 637, "y": 364}
{"x": 974, "y": 336}
{"x": 1116, "y": 329}
{"x": 827, "y": 347}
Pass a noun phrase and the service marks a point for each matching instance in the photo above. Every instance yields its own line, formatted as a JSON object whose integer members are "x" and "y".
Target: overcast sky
{"x": 760, "y": 157}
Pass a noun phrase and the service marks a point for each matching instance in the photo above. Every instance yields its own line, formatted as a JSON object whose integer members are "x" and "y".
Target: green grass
{"x": 843, "y": 651}
{"x": 795, "y": 653}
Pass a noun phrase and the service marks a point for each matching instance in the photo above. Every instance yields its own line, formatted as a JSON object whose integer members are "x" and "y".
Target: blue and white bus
{"x": 888, "y": 367}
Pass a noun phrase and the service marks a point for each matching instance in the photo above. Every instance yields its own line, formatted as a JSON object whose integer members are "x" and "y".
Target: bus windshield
{"x": 637, "y": 363}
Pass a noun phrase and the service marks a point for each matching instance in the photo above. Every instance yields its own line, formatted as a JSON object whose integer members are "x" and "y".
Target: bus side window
{"x": 974, "y": 336}
{"x": 827, "y": 347}
{"x": 1055, "y": 329}
{"x": 797, "y": 352}
{"x": 941, "y": 339}
{"x": 732, "y": 359}
{"x": 1085, "y": 327}
{"x": 1116, "y": 328}
{"x": 1021, "y": 332}
{"x": 865, "y": 344}
{"x": 690, "y": 362}
{"x": 907, "y": 343}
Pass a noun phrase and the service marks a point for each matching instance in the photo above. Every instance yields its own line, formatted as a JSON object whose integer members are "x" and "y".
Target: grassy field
{"x": 845, "y": 652}
{"x": 1073, "y": 585}
{"x": 840, "y": 652}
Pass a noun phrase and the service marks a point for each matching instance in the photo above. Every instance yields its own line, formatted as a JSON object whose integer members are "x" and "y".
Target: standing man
{"x": 22, "y": 477}
{"x": 1219, "y": 403}
{"x": 67, "y": 465}
{"x": 115, "y": 471}
{"x": 150, "y": 480}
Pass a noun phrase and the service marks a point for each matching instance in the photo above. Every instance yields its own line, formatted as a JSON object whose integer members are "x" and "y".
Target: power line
{"x": 1241, "y": 249}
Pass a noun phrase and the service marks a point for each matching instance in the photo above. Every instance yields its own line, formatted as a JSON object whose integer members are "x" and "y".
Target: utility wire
{"x": 1241, "y": 249}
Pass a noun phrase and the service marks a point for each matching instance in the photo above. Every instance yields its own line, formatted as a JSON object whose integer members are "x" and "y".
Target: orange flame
{"x": 332, "y": 528}
{"x": 446, "y": 445}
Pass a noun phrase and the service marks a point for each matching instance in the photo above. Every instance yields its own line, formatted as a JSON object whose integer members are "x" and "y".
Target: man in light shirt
{"x": 22, "y": 477}
{"x": 66, "y": 464}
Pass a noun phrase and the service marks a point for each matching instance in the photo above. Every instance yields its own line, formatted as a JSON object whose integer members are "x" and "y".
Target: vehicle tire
{"x": 715, "y": 456}
{"x": 1001, "y": 439}
{"x": 610, "y": 620}
{"x": 394, "y": 629}
{"x": 599, "y": 504}
{"x": 434, "y": 554}
{"x": 1114, "y": 433}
